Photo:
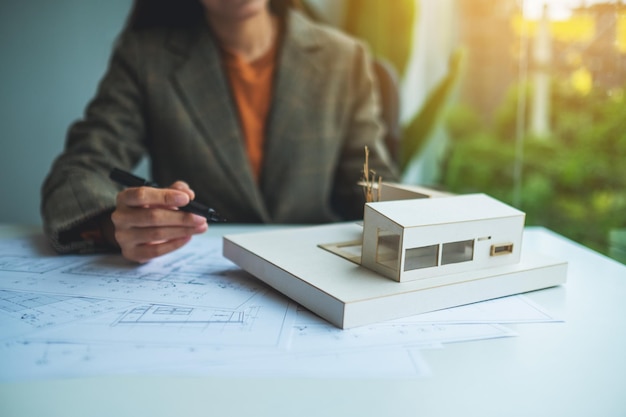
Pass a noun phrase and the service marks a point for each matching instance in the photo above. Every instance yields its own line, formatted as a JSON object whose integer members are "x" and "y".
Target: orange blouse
{"x": 251, "y": 85}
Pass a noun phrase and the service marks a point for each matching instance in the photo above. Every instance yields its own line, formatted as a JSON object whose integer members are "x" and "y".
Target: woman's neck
{"x": 249, "y": 38}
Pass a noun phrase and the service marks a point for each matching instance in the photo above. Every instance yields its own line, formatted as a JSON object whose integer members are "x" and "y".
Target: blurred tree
{"x": 387, "y": 26}
{"x": 574, "y": 183}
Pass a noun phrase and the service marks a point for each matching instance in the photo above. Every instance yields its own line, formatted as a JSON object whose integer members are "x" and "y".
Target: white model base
{"x": 350, "y": 295}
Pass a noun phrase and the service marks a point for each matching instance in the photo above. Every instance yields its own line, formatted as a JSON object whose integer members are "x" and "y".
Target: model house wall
{"x": 423, "y": 238}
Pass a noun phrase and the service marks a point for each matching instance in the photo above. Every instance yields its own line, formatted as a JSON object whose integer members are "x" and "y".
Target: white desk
{"x": 576, "y": 368}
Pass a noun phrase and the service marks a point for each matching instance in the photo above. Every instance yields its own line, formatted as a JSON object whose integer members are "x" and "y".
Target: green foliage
{"x": 573, "y": 182}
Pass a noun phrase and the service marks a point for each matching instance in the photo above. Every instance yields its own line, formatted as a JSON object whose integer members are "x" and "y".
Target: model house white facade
{"x": 429, "y": 237}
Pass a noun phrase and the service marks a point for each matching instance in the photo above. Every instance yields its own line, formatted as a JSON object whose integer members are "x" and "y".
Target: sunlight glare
{"x": 557, "y": 9}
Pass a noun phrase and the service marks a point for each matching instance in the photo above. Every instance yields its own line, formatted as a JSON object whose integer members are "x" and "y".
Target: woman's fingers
{"x": 148, "y": 196}
{"x": 131, "y": 217}
{"x": 144, "y": 253}
{"x": 148, "y": 223}
{"x": 143, "y": 244}
{"x": 184, "y": 187}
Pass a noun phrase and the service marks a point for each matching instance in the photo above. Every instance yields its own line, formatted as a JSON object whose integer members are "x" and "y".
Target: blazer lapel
{"x": 203, "y": 86}
{"x": 297, "y": 75}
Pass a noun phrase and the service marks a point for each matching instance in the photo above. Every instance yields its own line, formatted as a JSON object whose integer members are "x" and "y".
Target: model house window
{"x": 455, "y": 252}
{"x": 422, "y": 257}
{"x": 388, "y": 249}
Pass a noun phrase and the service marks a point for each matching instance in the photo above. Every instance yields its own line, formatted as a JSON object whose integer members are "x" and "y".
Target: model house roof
{"x": 434, "y": 211}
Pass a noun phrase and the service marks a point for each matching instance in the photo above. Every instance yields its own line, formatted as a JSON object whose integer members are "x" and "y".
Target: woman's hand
{"x": 148, "y": 224}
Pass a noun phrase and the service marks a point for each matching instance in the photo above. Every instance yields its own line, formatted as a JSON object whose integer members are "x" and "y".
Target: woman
{"x": 261, "y": 112}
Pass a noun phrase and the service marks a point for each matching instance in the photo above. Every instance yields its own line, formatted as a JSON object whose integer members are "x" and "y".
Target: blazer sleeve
{"x": 365, "y": 128}
{"x": 111, "y": 133}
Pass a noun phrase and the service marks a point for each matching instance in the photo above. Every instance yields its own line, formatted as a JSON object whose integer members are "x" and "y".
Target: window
{"x": 423, "y": 257}
{"x": 455, "y": 252}
{"x": 387, "y": 249}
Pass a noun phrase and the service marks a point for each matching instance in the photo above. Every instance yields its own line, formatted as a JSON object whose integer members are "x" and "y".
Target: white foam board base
{"x": 350, "y": 295}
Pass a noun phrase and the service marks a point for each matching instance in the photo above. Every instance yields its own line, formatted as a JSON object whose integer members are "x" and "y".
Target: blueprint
{"x": 266, "y": 320}
{"x": 22, "y": 313}
{"x": 193, "y": 312}
{"x": 197, "y": 276}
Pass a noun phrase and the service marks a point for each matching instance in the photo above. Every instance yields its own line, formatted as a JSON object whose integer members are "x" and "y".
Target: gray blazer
{"x": 165, "y": 95}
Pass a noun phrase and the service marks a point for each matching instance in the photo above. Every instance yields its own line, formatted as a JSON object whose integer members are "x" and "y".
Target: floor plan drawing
{"x": 21, "y": 263}
{"x": 24, "y": 312}
{"x": 164, "y": 315}
{"x": 198, "y": 277}
{"x": 266, "y": 320}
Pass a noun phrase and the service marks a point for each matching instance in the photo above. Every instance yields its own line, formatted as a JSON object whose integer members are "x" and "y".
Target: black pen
{"x": 129, "y": 180}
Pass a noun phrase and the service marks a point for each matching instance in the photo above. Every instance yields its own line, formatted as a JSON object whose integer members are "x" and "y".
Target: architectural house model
{"x": 414, "y": 239}
{"x": 408, "y": 257}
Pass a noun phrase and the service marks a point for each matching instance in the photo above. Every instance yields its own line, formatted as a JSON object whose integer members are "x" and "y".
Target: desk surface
{"x": 576, "y": 368}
